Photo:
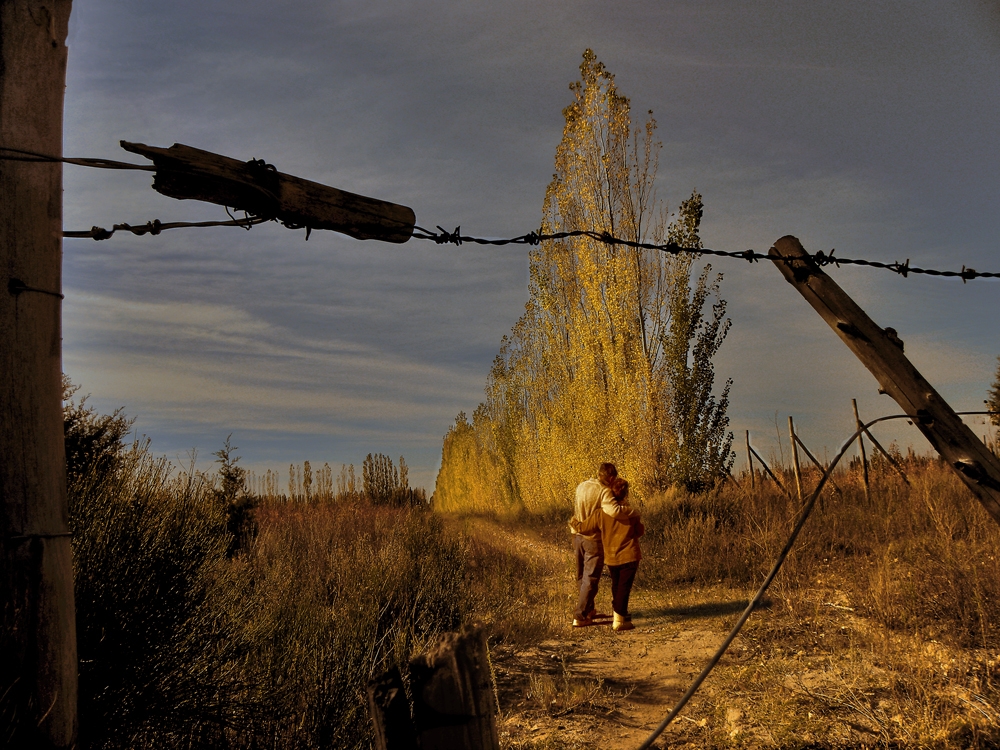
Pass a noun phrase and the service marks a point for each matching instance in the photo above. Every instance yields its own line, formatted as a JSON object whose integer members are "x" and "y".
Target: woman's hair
{"x": 606, "y": 474}
{"x": 619, "y": 488}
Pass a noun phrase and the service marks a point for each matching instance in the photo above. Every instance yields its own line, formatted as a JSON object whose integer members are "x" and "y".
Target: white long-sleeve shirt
{"x": 591, "y": 494}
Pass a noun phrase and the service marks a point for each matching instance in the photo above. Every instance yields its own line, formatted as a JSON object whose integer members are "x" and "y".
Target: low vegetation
{"x": 196, "y": 630}
{"x": 882, "y": 629}
{"x": 207, "y": 618}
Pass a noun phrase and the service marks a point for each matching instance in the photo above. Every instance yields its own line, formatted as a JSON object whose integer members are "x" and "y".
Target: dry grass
{"x": 184, "y": 646}
{"x": 883, "y": 629}
{"x": 886, "y": 620}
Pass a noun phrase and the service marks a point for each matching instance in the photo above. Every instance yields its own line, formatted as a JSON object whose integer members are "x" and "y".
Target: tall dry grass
{"x": 185, "y": 643}
{"x": 923, "y": 556}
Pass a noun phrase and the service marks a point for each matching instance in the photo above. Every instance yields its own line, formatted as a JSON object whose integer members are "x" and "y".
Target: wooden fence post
{"x": 38, "y": 663}
{"x": 753, "y": 483}
{"x": 819, "y": 466}
{"x": 454, "y": 703}
{"x": 861, "y": 449}
{"x": 795, "y": 457}
{"x": 188, "y": 173}
{"x": 887, "y": 456}
{"x": 881, "y": 351}
{"x": 390, "y": 713}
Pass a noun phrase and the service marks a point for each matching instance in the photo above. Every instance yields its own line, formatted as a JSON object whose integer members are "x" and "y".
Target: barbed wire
{"x": 820, "y": 258}
{"x": 18, "y": 154}
{"x": 443, "y": 236}
{"x": 156, "y": 226}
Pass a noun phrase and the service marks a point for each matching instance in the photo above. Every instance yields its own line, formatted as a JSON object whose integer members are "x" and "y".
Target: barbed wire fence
{"x": 534, "y": 238}
{"x": 802, "y": 516}
{"x": 442, "y": 236}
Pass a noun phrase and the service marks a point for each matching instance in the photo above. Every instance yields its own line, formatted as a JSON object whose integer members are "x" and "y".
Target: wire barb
{"x": 821, "y": 259}
{"x": 156, "y": 226}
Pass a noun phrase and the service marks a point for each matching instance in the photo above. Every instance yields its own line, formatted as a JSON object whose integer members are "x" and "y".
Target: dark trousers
{"x": 589, "y": 564}
{"x": 622, "y": 577}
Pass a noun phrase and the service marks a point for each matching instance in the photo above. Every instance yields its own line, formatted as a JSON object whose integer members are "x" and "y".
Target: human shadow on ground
{"x": 704, "y": 609}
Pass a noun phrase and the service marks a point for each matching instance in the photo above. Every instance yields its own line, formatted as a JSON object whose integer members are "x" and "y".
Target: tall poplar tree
{"x": 612, "y": 359}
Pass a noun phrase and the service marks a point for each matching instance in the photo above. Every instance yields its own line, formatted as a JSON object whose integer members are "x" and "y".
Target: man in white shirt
{"x": 591, "y": 494}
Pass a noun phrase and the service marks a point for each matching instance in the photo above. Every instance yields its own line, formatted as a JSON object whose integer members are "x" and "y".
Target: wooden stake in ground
{"x": 861, "y": 450}
{"x": 881, "y": 351}
{"x": 795, "y": 457}
{"x": 885, "y": 454}
{"x": 750, "y": 461}
{"x": 38, "y": 666}
{"x": 454, "y": 699}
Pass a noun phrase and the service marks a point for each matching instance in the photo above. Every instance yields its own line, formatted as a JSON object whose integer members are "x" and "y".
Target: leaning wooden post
{"x": 750, "y": 461}
{"x": 38, "y": 664}
{"x": 861, "y": 450}
{"x": 795, "y": 457}
{"x": 881, "y": 351}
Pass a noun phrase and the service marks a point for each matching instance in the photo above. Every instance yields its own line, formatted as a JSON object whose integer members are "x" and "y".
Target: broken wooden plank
{"x": 882, "y": 353}
{"x": 256, "y": 187}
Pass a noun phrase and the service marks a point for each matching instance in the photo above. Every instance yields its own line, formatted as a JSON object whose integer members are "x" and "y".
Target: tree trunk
{"x": 38, "y": 669}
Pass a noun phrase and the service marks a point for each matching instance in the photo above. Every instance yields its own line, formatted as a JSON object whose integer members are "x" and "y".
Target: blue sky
{"x": 869, "y": 127}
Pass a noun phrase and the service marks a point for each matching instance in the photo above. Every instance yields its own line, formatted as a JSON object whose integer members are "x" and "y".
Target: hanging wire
{"x": 803, "y": 514}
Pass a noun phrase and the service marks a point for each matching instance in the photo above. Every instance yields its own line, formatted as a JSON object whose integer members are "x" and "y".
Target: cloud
{"x": 788, "y": 119}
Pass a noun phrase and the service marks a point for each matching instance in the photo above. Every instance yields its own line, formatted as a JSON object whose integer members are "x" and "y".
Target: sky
{"x": 869, "y": 127}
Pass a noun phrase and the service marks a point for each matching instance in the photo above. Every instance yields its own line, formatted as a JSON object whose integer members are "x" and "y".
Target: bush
{"x": 183, "y": 644}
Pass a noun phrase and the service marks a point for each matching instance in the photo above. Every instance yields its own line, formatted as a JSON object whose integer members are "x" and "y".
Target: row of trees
{"x": 612, "y": 359}
{"x": 381, "y": 482}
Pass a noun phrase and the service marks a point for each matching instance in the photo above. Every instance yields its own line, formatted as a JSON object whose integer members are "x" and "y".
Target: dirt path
{"x": 593, "y": 687}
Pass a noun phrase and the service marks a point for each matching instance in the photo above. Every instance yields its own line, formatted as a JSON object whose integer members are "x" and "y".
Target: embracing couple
{"x": 606, "y": 529}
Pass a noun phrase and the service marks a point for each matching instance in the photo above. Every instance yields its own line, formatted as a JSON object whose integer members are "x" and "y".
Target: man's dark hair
{"x": 606, "y": 474}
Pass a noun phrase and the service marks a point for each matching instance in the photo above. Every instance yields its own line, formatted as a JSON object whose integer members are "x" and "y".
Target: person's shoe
{"x": 584, "y": 622}
{"x": 622, "y": 623}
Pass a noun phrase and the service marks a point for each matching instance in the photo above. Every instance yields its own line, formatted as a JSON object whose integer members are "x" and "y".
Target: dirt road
{"x": 595, "y": 688}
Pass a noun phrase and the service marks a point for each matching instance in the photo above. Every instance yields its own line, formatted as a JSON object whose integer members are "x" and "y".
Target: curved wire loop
{"x": 804, "y": 512}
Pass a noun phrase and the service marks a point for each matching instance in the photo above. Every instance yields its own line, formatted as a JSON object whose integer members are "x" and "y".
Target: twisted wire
{"x": 803, "y": 515}
{"x": 156, "y": 226}
{"x": 18, "y": 154}
{"x": 821, "y": 259}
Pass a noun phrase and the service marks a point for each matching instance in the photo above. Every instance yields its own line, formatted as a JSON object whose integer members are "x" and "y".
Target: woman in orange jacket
{"x": 620, "y": 534}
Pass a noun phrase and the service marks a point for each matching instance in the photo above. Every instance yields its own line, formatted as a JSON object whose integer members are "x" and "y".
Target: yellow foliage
{"x": 590, "y": 371}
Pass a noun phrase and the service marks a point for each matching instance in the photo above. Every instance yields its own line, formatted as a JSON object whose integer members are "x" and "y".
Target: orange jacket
{"x": 620, "y": 534}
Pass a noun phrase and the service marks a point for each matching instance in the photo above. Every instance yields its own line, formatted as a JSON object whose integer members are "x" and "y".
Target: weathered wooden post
{"x": 454, "y": 703}
{"x": 750, "y": 461}
{"x": 795, "y": 457}
{"x": 881, "y": 351}
{"x": 861, "y": 450}
{"x": 819, "y": 466}
{"x": 258, "y": 188}
{"x": 38, "y": 666}
{"x": 885, "y": 454}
